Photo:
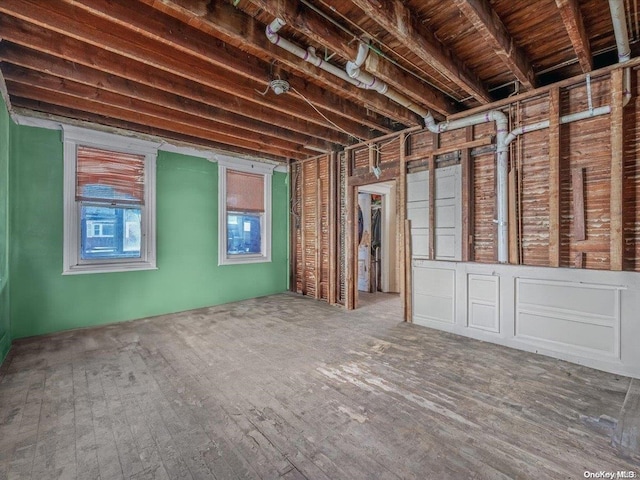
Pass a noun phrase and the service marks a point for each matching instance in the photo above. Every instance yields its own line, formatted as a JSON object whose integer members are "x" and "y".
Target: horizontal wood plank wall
{"x": 534, "y": 157}
{"x": 586, "y": 144}
{"x": 631, "y": 190}
{"x": 310, "y": 205}
{"x": 323, "y": 207}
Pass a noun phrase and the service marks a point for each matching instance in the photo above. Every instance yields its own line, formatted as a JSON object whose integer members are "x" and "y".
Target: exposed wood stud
{"x": 554, "y": 177}
{"x": 318, "y": 259}
{"x": 293, "y": 228}
{"x": 578, "y": 260}
{"x": 333, "y": 237}
{"x": 513, "y": 218}
{"x": 617, "y": 171}
{"x": 372, "y": 156}
{"x": 303, "y": 230}
{"x": 352, "y": 235}
{"x": 432, "y": 197}
{"x": 467, "y": 197}
{"x": 577, "y": 186}
{"x": 409, "y": 266}
{"x": 402, "y": 216}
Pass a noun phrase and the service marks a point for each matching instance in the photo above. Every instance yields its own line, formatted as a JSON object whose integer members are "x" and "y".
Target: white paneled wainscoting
{"x": 587, "y": 317}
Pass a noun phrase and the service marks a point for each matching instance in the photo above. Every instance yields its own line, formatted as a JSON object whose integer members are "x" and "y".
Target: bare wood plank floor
{"x": 287, "y": 387}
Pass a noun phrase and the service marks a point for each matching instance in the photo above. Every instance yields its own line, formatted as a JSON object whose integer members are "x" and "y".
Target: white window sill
{"x": 242, "y": 261}
{"x": 111, "y": 268}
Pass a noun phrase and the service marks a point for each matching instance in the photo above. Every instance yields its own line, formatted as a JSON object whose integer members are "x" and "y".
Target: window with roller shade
{"x": 245, "y": 201}
{"x": 109, "y": 202}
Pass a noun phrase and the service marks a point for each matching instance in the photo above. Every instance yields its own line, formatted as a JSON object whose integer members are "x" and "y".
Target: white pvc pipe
{"x": 354, "y": 75}
{"x": 619, "y": 20}
{"x": 503, "y": 139}
{"x": 371, "y": 82}
{"x": 502, "y": 166}
{"x": 308, "y": 55}
{"x": 564, "y": 119}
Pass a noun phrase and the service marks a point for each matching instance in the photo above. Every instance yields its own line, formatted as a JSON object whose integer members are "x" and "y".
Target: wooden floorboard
{"x": 289, "y": 387}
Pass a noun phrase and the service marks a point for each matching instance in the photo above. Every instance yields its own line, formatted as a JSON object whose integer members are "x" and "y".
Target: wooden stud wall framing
{"x": 314, "y": 258}
{"x": 554, "y": 177}
{"x": 617, "y": 168}
{"x": 405, "y": 263}
{"x": 570, "y": 182}
{"x": 467, "y": 199}
{"x": 333, "y": 237}
{"x": 432, "y": 196}
{"x": 350, "y": 302}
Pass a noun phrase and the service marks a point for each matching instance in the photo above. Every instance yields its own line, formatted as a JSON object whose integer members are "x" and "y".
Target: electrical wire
{"x": 326, "y": 118}
{"x": 442, "y": 87}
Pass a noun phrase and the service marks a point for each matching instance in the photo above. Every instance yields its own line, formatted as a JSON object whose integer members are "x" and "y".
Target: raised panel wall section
{"x": 583, "y": 316}
{"x": 568, "y": 316}
{"x": 483, "y": 301}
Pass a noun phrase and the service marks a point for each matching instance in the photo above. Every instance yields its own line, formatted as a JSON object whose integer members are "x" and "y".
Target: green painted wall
{"x": 188, "y": 275}
{"x": 5, "y": 322}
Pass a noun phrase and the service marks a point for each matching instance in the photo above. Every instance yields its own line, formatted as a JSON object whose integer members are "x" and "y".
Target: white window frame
{"x": 72, "y": 262}
{"x": 258, "y": 168}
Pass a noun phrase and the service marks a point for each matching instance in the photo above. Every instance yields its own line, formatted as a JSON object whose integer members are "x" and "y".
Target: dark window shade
{"x": 105, "y": 175}
{"x": 245, "y": 192}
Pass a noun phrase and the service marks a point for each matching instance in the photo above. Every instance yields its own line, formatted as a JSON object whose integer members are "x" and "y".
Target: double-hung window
{"x": 244, "y": 213}
{"x": 109, "y": 202}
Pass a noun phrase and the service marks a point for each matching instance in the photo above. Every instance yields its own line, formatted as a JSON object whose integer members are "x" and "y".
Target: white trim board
{"x": 30, "y": 119}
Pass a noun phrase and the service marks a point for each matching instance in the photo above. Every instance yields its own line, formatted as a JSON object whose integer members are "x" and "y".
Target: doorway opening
{"x": 377, "y": 243}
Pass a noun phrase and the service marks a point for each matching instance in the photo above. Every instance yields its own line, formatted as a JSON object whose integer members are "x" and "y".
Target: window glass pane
{"x": 108, "y": 232}
{"x": 244, "y": 234}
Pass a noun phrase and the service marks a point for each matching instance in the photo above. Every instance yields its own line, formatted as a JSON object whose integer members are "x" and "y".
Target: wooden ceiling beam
{"x": 81, "y": 97}
{"x": 493, "y": 32}
{"x": 39, "y": 109}
{"x": 62, "y": 47}
{"x": 233, "y": 26}
{"x": 397, "y": 19}
{"x": 180, "y": 39}
{"x": 216, "y": 88}
{"x": 572, "y": 18}
{"x": 312, "y": 25}
{"x": 74, "y": 22}
{"x": 41, "y": 62}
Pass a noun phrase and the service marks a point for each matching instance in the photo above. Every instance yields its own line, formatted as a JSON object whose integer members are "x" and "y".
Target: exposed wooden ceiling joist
{"x": 69, "y": 94}
{"x": 15, "y": 55}
{"x": 193, "y": 47}
{"x": 231, "y": 25}
{"x": 397, "y": 19}
{"x": 62, "y": 48}
{"x": 75, "y": 23}
{"x": 324, "y": 33}
{"x": 494, "y": 33}
{"x": 572, "y": 18}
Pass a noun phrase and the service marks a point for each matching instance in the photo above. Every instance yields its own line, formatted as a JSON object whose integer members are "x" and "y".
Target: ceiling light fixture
{"x": 279, "y": 86}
